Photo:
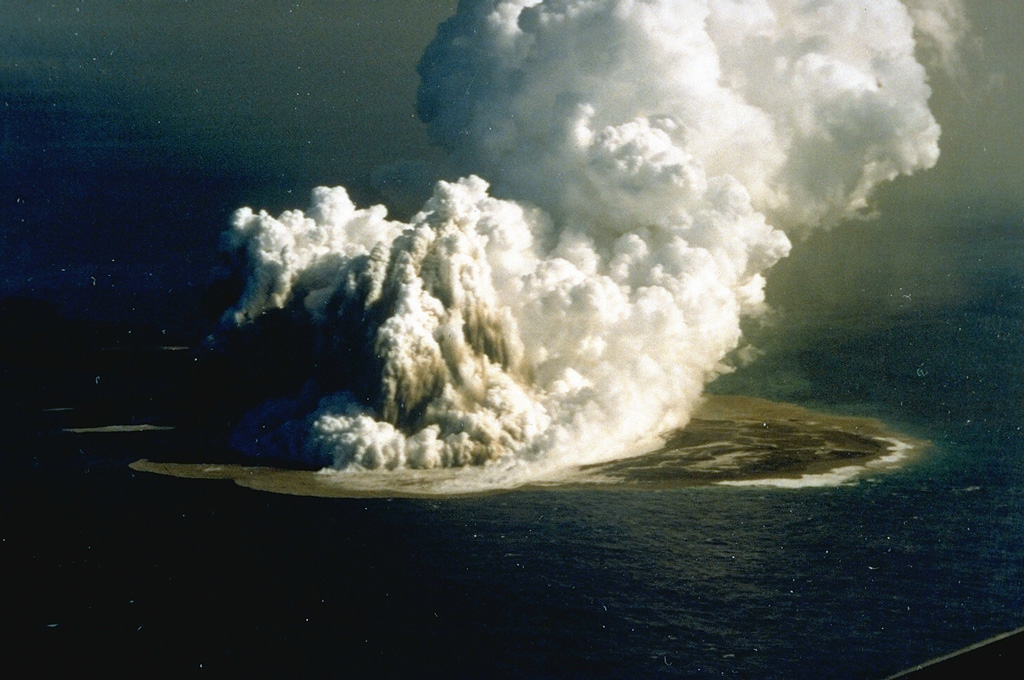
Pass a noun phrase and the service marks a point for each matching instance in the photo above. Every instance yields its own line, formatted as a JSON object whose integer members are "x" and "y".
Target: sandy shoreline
{"x": 731, "y": 441}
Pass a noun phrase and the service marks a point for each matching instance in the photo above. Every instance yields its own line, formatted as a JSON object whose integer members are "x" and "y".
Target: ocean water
{"x": 120, "y": 569}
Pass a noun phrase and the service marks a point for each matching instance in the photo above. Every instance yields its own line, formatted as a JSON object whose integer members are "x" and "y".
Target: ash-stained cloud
{"x": 631, "y": 170}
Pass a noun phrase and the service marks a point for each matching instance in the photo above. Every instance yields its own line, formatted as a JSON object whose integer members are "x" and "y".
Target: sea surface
{"x": 119, "y": 570}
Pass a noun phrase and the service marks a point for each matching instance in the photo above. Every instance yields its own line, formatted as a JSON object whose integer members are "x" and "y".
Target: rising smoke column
{"x": 643, "y": 161}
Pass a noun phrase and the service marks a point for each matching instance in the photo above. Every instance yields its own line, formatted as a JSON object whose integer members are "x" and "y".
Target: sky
{"x": 130, "y": 130}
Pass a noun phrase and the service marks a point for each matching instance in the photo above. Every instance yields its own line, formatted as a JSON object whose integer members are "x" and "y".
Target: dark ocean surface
{"x": 117, "y": 569}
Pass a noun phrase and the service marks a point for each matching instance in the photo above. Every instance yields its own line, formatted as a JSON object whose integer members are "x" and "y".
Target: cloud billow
{"x": 631, "y": 169}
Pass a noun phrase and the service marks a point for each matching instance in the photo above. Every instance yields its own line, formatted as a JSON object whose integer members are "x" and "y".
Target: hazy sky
{"x": 129, "y": 129}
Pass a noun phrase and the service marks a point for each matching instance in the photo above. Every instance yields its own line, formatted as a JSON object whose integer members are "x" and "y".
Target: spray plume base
{"x": 731, "y": 441}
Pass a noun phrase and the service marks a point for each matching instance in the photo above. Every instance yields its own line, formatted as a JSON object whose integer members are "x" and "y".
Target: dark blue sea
{"x": 122, "y": 570}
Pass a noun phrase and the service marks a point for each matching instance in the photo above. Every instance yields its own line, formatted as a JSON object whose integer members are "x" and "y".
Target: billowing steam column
{"x": 642, "y": 151}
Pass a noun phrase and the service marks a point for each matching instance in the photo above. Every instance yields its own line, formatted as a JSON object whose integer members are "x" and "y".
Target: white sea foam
{"x": 116, "y": 429}
{"x": 898, "y": 451}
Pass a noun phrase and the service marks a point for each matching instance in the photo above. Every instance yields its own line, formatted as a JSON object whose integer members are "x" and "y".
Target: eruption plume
{"x": 644, "y": 162}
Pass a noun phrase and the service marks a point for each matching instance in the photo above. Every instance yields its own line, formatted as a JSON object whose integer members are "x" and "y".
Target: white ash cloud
{"x": 644, "y": 161}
